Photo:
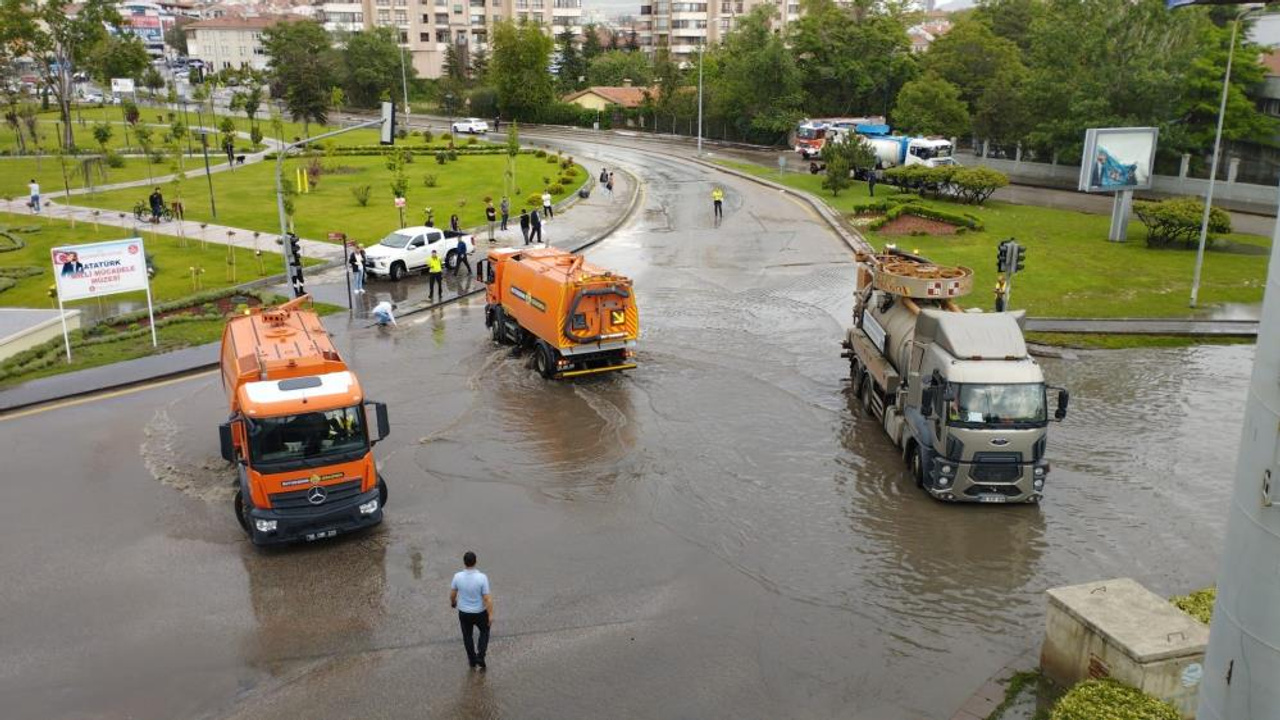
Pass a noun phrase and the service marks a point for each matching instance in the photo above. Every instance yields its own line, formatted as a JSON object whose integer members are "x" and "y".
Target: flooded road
{"x": 719, "y": 533}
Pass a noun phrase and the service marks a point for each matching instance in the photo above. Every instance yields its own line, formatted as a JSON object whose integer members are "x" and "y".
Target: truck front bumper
{"x": 987, "y": 482}
{"x": 276, "y": 527}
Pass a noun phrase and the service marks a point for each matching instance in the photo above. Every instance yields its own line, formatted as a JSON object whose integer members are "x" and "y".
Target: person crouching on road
{"x": 470, "y": 595}
{"x": 382, "y": 313}
{"x": 461, "y": 252}
{"x": 435, "y": 276}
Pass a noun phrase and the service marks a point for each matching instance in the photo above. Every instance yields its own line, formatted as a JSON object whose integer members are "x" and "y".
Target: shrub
{"x": 936, "y": 180}
{"x": 534, "y": 200}
{"x": 540, "y": 153}
{"x": 1198, "y": 604}
{"x": 1094, "y": 699}
{"x": 453, "y": 154}
{"x": 895, "y": 211}
{"x": 571, "y": 170}
{"x": 566, "y": 180}
{"x": 430, "y": 180}
{"x": 1169, "y": 221}
{"x": 255, "y": 135}
{"x": 361, "y": 194}
{"x": 402, "y": 133}
{"x": 566, "y": 163}
{"x": 555, "y": 188}
{"x": 472, "y": 141}
{"x": 975, "y": 184}
{"x": 427, "y": 137}
{"x": 157, "y": 157}
{"x": 446, "y": 137}
{"x": 546, "y": 180}
{"x": 553, "y": 160}
{"x": 115, "y": 160}
{"x": 442, "y": 157}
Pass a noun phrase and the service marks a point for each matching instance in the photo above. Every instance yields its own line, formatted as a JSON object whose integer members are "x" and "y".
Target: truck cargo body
{"x": 578, "y": 318}
{"x": 300, "y": 431}
{"x": 956, "y": 391}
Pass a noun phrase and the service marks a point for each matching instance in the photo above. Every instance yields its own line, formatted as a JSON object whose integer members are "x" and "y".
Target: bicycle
{"x": 142, "y": 212}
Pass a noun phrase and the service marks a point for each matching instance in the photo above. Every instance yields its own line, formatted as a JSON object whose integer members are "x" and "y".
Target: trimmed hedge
{"x": 1110, "y": 700}
{"x": 1178, "y": 219}
{"x": 965, "y": 221}
{"x": 1198, "y": 604}
{"x": 967, "y": 184}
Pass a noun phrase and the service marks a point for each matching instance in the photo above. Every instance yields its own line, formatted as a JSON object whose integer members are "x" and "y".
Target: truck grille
{"x": 296, "y": 500}
{"x": 996, "y": 467}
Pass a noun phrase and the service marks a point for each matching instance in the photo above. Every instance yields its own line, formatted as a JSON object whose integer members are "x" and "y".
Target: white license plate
{"x": 991, "y": 498}
{"x": 321, "y": 535}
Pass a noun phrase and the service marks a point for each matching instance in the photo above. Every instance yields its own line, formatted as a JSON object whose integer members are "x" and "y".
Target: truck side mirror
{"x": 1064, "y": 398}
{"x": 926, "y": 401}
{"x": 384, "y": 424}
{"x": 228, "y": 445}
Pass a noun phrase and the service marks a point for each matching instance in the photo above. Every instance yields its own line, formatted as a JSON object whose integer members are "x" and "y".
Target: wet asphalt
{"x": 717, "y": 534}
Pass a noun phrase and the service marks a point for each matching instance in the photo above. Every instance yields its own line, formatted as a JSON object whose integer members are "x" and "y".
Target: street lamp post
{"x": 404, "y": 86}
{"x": 204, "y": 145}
{"x": 1217, "y": 150}
{"x": 700, "y": 47}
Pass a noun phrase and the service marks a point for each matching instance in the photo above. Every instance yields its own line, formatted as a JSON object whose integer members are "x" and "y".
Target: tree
{"x": 58, "y": 41}
{"x": 371, "y": 64}
{"x": 251, "y": 102}
{"x": 837, "y": 178}
{"x": 301, "y": 69}
{"x": 1196, "y": 113}
{"x": 633, "y": 41}
{"x": 118, "y": 56}
{"x": 611, "y": 68}
{"x": 930, "y": 105}
{"x": 849, "y": 66}
{"x": 853, "y": 150}
{"x": 753, "y": 81}
{"x": 455, "y": 66}
{"x": 143, "y": 133}
{"x": 337, "y": 98}
{"x": 152, "y": 80}
{"x": 521, "y": 54}
{"x": 1000, "y": 113}
{"x": 971, "y": 57}
{"x": 102, "y": 135}
{"x": 591, "y": 47}
{"x": 613, "y": 41}
{"x": 480, "y": 64}
{"x": 572, "y": 64}
{"x": 175, "y": 37}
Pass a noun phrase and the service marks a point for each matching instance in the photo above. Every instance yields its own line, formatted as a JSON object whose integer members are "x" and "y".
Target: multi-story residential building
{"x": 230, "y": 42}
{"x": 683, "y": 25}
{"x": 339, "y": 17}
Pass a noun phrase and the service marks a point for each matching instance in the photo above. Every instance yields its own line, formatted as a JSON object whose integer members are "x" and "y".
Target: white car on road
{"x": 475, "y": 126}
{"x": 406, "y": 250}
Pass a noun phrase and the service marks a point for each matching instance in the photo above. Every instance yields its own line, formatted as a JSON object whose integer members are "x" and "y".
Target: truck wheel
{"x": 499, "y": 332}
{"x": 451, "y": 259}
{"x": 917, "y": 466}
{"x": 397, "y": 271}
{"x": 242, "y": 512}
{"x": 866, "y": 396}
{"x": 382, "y": 491}
{"x": 544, "y": 360}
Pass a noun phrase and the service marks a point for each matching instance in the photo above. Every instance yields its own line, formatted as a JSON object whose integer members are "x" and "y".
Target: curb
{"x": 211, "y": 348}
{"x": 984, "y": 701}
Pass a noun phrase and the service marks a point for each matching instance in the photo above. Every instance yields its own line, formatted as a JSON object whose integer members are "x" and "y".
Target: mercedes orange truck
{"x": 579, "y": 319}
{"x": 301, "y": 432}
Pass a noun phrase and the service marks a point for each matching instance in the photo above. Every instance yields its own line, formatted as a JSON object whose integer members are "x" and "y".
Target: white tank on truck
{"x": 895, "y": 150}
{"x": 956, "y": 390}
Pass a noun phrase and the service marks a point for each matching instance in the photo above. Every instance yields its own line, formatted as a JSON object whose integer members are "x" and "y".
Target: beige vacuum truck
{"x": 956, "y": 390}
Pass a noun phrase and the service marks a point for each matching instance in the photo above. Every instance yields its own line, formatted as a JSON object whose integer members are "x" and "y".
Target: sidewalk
{"x": 592, "y": 220}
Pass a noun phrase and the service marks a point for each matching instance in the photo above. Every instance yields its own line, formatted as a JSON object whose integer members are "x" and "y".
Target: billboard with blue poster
{"x": 1118, "y": 159}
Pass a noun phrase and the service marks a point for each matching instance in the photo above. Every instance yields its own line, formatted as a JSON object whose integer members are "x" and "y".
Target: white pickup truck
{"x": 406, "y": 250}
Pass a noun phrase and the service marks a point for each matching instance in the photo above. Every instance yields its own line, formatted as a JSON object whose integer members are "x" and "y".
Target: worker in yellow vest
{"x": 717, "y": 198}
{"x": 435, "y": 276}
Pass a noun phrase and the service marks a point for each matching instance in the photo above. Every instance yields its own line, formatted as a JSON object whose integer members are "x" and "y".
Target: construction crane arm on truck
{"x": 300, "y": 431}
{"x": 957, "y": 391}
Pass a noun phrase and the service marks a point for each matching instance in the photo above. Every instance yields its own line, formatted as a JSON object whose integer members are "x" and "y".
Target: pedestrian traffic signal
{"x": 293, "y": 260}
{"x": 1002, "y": 256}
{"x": 1021, "y": 258}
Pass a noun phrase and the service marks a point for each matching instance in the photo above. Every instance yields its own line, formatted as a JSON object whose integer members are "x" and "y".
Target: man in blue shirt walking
{"x": 470, "y": 595}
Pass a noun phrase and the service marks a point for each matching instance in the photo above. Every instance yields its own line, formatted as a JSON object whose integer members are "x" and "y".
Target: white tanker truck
{"x": 956, "y": 390}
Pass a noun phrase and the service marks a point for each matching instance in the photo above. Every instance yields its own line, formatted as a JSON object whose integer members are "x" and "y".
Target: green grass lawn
{"x": 1071, "y": 269}
{"x": 246, "y": 198}
{"x": 172, "y": 260}
{"x": 15, "y": 173}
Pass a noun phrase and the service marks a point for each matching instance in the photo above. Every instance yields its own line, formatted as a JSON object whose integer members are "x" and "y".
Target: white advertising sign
{"x": 97, "y": 269}
{"x": 121, "y": 85}
{"x": 1118, "y": 159}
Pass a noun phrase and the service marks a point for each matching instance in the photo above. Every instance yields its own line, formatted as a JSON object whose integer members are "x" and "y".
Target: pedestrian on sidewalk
{"x": 469, "y": 594}
{"x": 524, "y": 224}
{"x": 505, "y": 207}
{"x": 546, "y": 205}
{"x": 461, "y": 251}
{"x": 435, "y": 276}
{"x": 157, "y": 205}
{"x": 604, "y": 176}
{"x": 871, "y": 182}
{"x": 358, "y": 261}
{"x": 34, "y": 189}
{"x": 535, "y": 227}
{"x": 497, "y": 123}
{"x": 382, "y": 313}
{"x": 491, "y": 215}
{"x": 717, "y": 201}
{"x": 608, "y": 185}
{"x": 453, "y": 223}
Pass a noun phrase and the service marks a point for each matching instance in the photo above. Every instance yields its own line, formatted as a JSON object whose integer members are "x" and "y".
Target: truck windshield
{"x": 1004, "y": 405}
{"x": 806, "y": 133}
{"x": 395, "y": 240}
{"x": 308, "y": 439}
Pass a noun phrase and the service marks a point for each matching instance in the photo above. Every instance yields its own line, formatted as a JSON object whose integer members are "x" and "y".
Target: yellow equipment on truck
{"x": 299, "y": 431}
{"x": 578, "y": 318}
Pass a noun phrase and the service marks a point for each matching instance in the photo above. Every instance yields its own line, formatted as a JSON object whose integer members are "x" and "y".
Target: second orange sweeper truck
{"x": 578, "y": 319}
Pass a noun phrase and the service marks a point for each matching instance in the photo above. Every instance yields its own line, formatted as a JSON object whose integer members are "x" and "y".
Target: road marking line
{"x": 102, "y": 396}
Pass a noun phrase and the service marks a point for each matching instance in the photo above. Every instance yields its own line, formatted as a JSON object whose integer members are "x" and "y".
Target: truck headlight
{"x": 944, "y": 482}
{"x": 265, "y": 525}
{"x": 369, "y": 508}
{"x": 1038, "y": 483}
{"x": 947, "y": 469}
{"x": 1038, "y": 472}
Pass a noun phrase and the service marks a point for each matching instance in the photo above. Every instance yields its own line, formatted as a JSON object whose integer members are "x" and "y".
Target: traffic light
{"x": 388, "y": 127}
{"x": 1002, "y": 256}
{"x": 293, "y": 255}
{"x": 1021, "y": 258}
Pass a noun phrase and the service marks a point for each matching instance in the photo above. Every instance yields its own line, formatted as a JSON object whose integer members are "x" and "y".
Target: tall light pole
{"x": 404, "y": 85}
{"x": 700, "y": 47}
{"x": 204, "y": 146}
{"x": 1217, "y": 150}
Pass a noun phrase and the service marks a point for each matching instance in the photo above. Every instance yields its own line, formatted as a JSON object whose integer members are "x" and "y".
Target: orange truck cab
{"x": 300, "y": 432}
{"x": 578, "y": 319}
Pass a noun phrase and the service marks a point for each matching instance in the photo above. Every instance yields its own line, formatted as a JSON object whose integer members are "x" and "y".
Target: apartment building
{"x": 428, "y": 27}
{"x": 683, "y": 25}
{"x": 229, "y": 42}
